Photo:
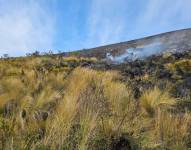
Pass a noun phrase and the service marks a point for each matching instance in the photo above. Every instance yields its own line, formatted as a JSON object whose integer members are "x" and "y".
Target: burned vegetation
{"x": 59, "y": 102}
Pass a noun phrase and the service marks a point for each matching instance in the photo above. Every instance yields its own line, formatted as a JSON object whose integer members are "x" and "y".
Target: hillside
{"x": 104, "y": 98}
{"x": 175, "y": 41}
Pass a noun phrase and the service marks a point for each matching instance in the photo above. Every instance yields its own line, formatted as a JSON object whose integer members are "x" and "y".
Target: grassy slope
{"x": 81, "y": 103}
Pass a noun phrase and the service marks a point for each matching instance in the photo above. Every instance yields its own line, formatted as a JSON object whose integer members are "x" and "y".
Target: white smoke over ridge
{"x": 172, "y": 42}
{"x": 139, "y": 52}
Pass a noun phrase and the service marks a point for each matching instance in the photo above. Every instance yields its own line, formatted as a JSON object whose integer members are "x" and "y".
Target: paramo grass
{"x": 84, "y": 109}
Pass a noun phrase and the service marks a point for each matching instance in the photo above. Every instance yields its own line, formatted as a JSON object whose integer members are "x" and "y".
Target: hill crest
{"x": 174, "y": 41}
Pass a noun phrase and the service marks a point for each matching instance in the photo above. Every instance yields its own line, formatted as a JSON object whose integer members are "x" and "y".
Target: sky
{"x": 66, "y": 25}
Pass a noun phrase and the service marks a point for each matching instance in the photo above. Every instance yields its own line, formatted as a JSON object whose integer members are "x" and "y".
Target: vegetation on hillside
{"x": 69, "y": 103}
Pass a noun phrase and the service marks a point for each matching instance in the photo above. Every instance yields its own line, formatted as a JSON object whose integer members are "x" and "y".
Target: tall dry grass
{"x": 152, "y": 99}
{"x": 93, "y": 100}
{"x": 92, "y": 109}
{"x": 172, "y": 130}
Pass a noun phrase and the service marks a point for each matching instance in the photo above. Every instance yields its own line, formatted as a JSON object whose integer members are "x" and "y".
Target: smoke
{"x": 140, "y": 52}
{"x": 149, "y": 50}
{"x": 173, "y": 42}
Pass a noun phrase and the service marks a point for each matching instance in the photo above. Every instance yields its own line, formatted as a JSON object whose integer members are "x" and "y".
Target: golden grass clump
{"x": 152, "y": 99}
{"x": 71, "y": 58}
{"x": 183, "y": 66}
{"x": 12, "y": 89}
{"x": 97, "y": 99}
{"x": 172, "y": 131}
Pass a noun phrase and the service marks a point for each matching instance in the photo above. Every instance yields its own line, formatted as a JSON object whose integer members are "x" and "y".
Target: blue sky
{"x": 65, "y": 25}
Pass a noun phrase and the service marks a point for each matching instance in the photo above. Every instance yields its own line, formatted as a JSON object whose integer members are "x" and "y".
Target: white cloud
{"x": 112, "y": 21}
{"x": 24, "y": 27}
{"x": 162, "y": 16}
{"x": 105, "y": 21}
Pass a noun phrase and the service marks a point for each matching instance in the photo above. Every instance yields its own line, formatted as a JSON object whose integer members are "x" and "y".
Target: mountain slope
{"x": 117, "y": 102}
{"x": 175, "y": 41}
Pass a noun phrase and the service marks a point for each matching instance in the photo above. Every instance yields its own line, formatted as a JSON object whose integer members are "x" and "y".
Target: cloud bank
{"x": 105, "y": 21}
{"x": 25, "y": 26}
{"x": 114, "y": 21}
{"x": 29, "y": 25}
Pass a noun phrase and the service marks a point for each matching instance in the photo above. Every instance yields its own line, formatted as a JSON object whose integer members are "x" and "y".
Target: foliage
{"x": 153, "y": 99}
{"x": 51, "y": 102}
